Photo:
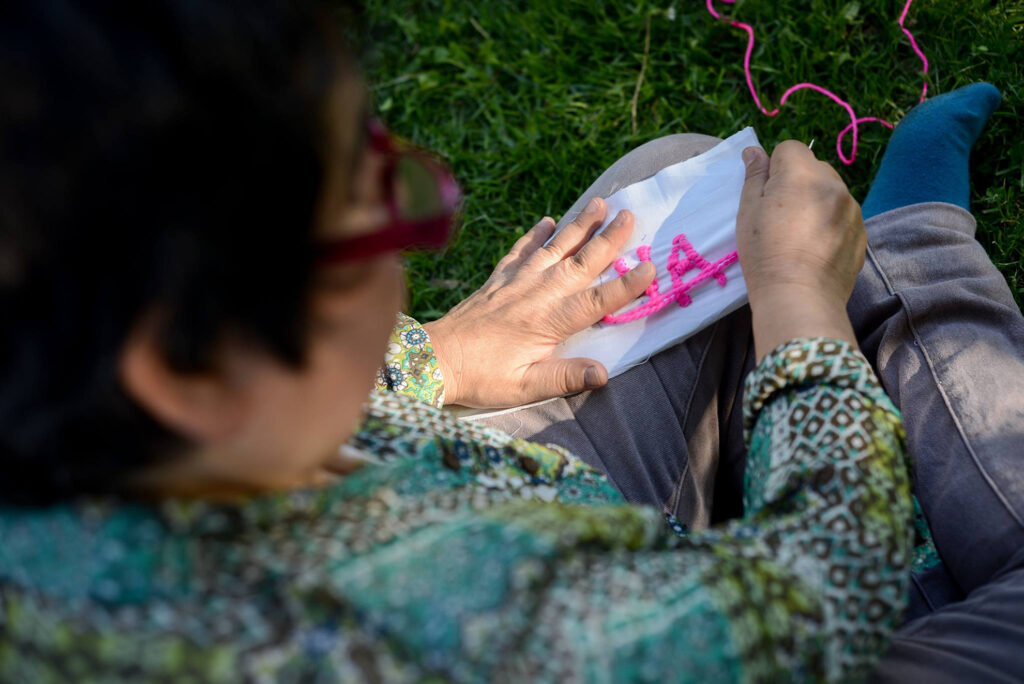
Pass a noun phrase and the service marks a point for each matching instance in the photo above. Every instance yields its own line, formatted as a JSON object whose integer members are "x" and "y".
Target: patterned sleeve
{"x": 410, "y": 366}
{"x": 808, "y": 585}
{"x": 827, "y": 492}
{"x": 468, "y": 555}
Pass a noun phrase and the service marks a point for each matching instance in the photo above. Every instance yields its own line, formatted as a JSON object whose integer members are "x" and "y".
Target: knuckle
{"x": 530, "y": 263}
{"x": 801, "y": 174}
{"x": 782, "y": 147}
{"x": 576, "y": 264}
{"x": 577, "y": 223}
{"x": 844, "y": 200}
{"x": 825, "y": 184}
{"x": 836, "y": 182}
{"x": 549, "y": 251}
{"x": 595, "y": 298}
{"x": 814, "y": 171}
{"x": 787, "y": 148}
{"x": 829, "y": 170}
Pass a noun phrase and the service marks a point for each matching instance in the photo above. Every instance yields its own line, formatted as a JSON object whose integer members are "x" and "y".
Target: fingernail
{"x": 591, "y": 377}
{"x": 749, "y": 155}
{"x": 592, "y": 206}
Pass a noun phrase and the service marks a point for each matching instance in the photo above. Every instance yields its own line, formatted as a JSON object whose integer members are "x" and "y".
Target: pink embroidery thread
{"x": 677, "y": 268}
{"x": 854, "y": 120}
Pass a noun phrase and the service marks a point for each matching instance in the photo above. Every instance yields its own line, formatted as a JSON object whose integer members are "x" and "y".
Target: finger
{"x": 574, "y": 235}
{"x": 758, "y": 164}
{"x": 596, "y": 302}
{"x": 558, "y": 377}
{"x": 602, "y": 248}
{"x": 529, "y": 243}
{"x": 830, "y": 171}
{"x": 794, "y": 162}
{"x": 791, "y": 153}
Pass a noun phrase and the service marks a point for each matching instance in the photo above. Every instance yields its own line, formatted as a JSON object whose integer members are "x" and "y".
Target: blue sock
{"x": 926, "y": 159}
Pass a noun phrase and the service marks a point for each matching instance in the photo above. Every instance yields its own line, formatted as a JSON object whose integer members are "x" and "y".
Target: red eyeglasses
{"x": 422, "y": 198}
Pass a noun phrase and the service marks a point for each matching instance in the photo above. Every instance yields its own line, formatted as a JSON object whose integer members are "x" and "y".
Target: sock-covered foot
{"x": 927, "y": 157}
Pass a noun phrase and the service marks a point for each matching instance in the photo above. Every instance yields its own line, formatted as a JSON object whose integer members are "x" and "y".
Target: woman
{"x": 200, "y": 275}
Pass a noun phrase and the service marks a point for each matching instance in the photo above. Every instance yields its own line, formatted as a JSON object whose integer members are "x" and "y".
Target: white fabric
{"x": 699, "y": 197}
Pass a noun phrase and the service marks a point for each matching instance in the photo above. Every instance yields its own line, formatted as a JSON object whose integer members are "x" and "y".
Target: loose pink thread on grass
{"x": 677, "y": 268}
{"x": 854, "y": 120}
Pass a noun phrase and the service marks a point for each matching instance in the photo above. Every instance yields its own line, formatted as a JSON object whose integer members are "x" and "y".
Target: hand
{"x": 801, "y": 244}
{"x": 495, "y": 347}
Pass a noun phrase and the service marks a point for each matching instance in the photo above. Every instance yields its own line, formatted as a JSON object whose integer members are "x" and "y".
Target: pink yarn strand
{"x": 918, "y": 51}
{"x": 854, "y": 120}
{"x": 677, "y": 266}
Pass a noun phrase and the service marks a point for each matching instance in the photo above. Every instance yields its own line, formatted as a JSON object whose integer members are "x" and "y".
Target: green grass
{"x": 530, "y": 100}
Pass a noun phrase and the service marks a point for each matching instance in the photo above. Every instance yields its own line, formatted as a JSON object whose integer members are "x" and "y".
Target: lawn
{"x": 530, "y": 100}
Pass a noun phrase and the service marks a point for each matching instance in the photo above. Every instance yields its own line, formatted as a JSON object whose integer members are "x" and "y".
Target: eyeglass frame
{"x": 398, "y": 234}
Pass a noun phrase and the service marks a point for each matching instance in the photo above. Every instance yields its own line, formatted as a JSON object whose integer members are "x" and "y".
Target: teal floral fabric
{"x": 464, "y": 554}
{"x": 410, "y": 366}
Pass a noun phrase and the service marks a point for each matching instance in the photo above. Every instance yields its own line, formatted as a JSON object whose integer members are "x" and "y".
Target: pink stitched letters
{"x": 677, "y": 268}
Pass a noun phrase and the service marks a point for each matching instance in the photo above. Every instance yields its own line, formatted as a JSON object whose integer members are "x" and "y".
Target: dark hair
{"x": 159, "y": 156}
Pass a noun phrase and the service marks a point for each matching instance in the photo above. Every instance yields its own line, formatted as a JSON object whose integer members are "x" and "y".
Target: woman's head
{"x": 167, "y": 170}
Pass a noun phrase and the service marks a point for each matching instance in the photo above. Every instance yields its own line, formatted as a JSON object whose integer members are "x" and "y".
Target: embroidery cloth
{"x": 699, "y": 198}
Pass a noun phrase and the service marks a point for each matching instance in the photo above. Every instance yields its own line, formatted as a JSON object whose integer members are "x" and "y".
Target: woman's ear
{"x": 202, "y": 407}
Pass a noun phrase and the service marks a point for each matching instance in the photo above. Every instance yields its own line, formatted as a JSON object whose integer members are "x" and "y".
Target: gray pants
{"x": 939, "y": 323}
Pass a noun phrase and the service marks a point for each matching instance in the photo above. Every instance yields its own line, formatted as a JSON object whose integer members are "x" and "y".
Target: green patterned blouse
{"x": 463, "y": 554}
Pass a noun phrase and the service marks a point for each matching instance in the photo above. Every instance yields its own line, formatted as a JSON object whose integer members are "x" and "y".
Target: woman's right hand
{"x": 801, "y": 244}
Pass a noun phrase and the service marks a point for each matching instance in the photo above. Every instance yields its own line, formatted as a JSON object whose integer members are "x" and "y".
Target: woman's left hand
{"x": 495, "y": 347}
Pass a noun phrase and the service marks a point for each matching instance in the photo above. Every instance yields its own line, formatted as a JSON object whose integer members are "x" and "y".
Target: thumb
{"x": 757, "y": 163}
{"x": 558, "y": 377}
